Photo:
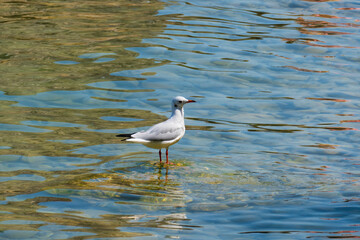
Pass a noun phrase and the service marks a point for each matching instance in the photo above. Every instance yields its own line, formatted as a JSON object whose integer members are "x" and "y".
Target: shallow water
{"x": 271, "y": 148}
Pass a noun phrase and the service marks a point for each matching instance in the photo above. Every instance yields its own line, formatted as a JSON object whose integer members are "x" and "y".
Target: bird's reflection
{"x": 163, "y": 172}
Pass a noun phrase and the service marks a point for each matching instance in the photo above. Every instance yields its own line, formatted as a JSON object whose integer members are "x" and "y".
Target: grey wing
{"x": 164, "y": 131}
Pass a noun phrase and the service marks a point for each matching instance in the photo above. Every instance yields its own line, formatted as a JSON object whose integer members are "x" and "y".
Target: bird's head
{"x": 179, "y": 101}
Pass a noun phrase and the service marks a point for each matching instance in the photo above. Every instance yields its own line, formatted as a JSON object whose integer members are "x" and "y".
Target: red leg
{"x": 160, "y": 155}
{"x": 167, "y": 156}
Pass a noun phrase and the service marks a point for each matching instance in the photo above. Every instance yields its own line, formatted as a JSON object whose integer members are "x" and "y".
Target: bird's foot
{"x": 165, "y": 164}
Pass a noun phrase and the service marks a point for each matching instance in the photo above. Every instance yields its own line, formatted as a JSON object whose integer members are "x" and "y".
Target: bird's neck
{"x": 178, "y": 114}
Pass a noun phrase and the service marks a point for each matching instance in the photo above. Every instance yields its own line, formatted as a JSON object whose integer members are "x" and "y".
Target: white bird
{"x": 164, "y": 134}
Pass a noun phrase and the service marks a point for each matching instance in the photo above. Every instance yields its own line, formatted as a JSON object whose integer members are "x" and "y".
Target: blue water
{"x": 271, "y": 147}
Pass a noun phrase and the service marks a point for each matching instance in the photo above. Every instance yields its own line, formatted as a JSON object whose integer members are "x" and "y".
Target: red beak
{"x": 190, "y": 101}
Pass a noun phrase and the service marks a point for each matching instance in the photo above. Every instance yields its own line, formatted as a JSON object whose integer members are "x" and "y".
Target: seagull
{"x": 164, "y": 134}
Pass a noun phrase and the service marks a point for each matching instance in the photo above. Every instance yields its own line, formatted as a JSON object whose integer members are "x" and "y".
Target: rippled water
{"x": 271, "y": 150}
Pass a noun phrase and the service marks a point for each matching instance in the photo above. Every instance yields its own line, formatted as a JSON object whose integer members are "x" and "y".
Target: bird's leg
{"x": 160, "y": 155}
{"x": 167, "y": 156}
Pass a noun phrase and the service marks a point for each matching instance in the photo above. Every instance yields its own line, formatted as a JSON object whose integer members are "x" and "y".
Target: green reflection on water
{"x": 37, "y": 34}
{"x": 39, "y": 40}
{"x": 36, "y": 143}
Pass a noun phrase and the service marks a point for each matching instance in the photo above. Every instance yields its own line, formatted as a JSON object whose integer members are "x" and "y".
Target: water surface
{"x": 271, "y": 148}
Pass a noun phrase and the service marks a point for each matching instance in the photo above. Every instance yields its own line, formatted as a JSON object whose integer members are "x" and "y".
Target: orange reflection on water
{"x": 305, "y": 70}
{"x": 347, "y": 8}
{"x": 308, "y": 26}
{"x": 329, "y": 99}
{"x": 324, "y": 146}
{"x": 342, "y": 129}
{"x": 345, "y": 121}
{"x": 329, "y": 46}
{"x": 315, "y": 24}
{"x": 326, "y": 16}
{"x": 320, "y": 0}
{"x": 313, "y": 32}
{"x": 322, "y": 24}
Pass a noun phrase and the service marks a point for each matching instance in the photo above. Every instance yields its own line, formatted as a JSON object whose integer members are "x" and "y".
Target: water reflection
{"x": 131, "y": 197}
{"x": 270, "y": 150}
{"x": 65, "y": 33}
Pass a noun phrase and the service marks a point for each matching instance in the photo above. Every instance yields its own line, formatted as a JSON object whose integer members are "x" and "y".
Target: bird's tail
{"x": 126, "y": 136}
